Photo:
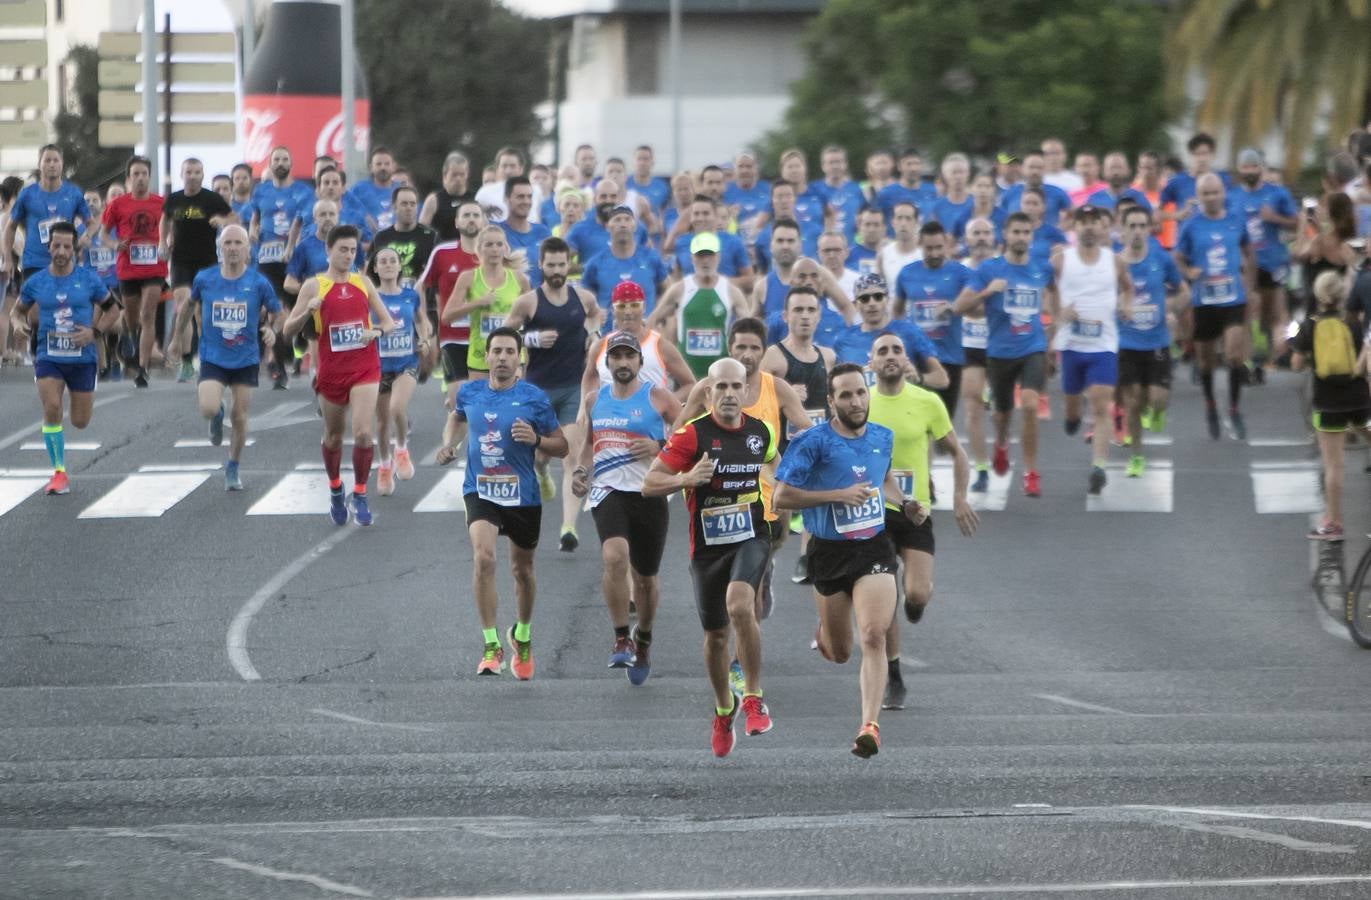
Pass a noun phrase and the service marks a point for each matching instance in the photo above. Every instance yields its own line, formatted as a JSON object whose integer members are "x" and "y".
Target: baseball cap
{"x": 868, "y": 283}
{"x": 1250, "y": 156}
{"x": 627, "y": 292}
{"x": 1091, "y": 212}
{"x": 623, "y": 339}
{"x": 620, "y": 210}
{"x": 1006, "y": 159}
{"x": 705, "y": 242}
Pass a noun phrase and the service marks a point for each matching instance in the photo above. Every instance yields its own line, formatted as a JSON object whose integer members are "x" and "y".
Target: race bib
{"x": 63, "y": 345}
{"x": 280, "y": 223}
{"x": 397, "y": 343}
{"x": 905, "y": 479}
{"x": 1144, "y": 316}
{"x": 704, "y": 342}
{"x": 489, "y": 323}
{"x": 43, "y": 228}
{"x": 228, "y": 315}
{"x": 862, "y": 517}
{"x": 1021, "y": 301}
{"x": 596, "y": 495}
{"x": 142, "y": 254}
{"x": 727, "y": 524}
{"x": 101, "y": 258}
{"x": 1217, "y": 290}
{"x": 816, "y": 417}
{"x": 502, "y": 490}
{"x": 1087, "y": 328}
{"x": 349, "y": 336}
{"x": 407, "y": 283}
{"x": 273, "y": 252}
{"x": 975, "y": 328}
{"x": 926, "y": 317}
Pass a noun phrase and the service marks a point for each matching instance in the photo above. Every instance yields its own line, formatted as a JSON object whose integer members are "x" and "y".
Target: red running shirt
{"x": 135, "y": 223}
{"x": 344, "y": 358}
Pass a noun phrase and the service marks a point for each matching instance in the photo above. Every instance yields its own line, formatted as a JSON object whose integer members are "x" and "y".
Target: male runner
{"x": 447, "y": 262}
{"x": 191, "y": 218}
{"x": 785, "y": 207}
{"x": 1014, "y": 290}
{"x": 1055, "y": 200}
{"x": 911, "y": 189}
{"x": 343, "y": 311}
{"x": 522, "y": 233}
{"x": 734, "y": 263}
{"x": 624, "y": 260}
{"x": 135, "y": 218}
{"x": 854, "y": 344}
{"x": 407, "y": 237}
{"x": 870, "y": 238}
{"x": 1118, "y": 180}
{"x": 231, "y": 298}
{"x": 38, "y": 207}
{"x": 953, "y": 208}
{"x": 704, "y": 304}
{"x": 310, "y": 256}
{"x": 904, "y": 249}
{"x": 717, "y": 459}
{"x": 376, "y": 194}
{"x": 1145, "y": 335}
{"x": 1178, "y": 197}
{"x": 627, "y": 421}
{"x": 662, "y": 365}
{"x": 913, "y": 415}
{"x": 512, "y": 419}
{"x": 557, "y": 319}
{"x": 1214, "y": 253}
{"x": 924, "y": 294}
{"x": 838, "y": 473}
{"x": 440, "y": 207}
{"x": 240, "y": 199}
{"x": 67, "y": 297}
{"x": 842, "y": 196}
{"x": 1266, "y": 209}
{"x": 275, "y": 205}
{"x": 1094, "y": 289}
{"x": 980, "y": 246}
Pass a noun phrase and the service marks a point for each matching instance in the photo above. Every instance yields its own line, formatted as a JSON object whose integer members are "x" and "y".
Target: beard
{"x": 852, "y": 420}
{"x": 603, "y": 210}
{"x": 624, "y": 375}
{"x": 280, "y": 171}
{"x": 555, "y": 281}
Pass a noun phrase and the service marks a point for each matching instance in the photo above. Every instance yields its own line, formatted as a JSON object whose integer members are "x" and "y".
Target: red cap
{"x": 628, "y": 292}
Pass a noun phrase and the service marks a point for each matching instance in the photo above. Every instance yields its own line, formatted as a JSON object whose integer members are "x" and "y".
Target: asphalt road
{"x": 1128, "y": 703}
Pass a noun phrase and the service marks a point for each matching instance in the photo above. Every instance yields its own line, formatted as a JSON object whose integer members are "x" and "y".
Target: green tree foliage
{"x": 88, "y": 164}
{"x": 946, "y": 75}
{"x": 1269, "y": 64}
{"x": 450, "y": 75}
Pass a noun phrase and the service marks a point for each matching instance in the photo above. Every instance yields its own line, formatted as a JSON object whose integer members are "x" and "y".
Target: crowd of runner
{"x": 790, "y": 355}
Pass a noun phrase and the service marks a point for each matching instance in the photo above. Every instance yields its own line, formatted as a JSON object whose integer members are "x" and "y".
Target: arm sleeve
{"x": 681, "y": 450}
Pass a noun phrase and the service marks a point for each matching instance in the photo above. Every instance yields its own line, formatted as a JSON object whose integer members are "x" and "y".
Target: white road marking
{"x": 1364, "y": 824}
{"x": 993, "y": 500}
{"x": 1286, "y": 492}
{"x": 446, "y": 495}
{"x": 1280, "y": 442}
{"x": 186, "y": 443}
{"x": 1298, "y": 464}
{"x": 1151, "y": 493}
{"x": 1264, "y": 837}
{"x": 1080, "y": 704}
{"x": 321, "y": 883}
{"x": 144, "y": 495}
{"x": 25, "y": 473}
{"x": 237, "y": 639}
{"x": 300, "y": 493}
{"x": 357, "y": 720}
{"x": 14, "y": 491}
{"x": 10, "y": 440}
{"x": 916, "y": 890}
{"x": 69, "y": 445}
{"x": 181, "y": 467}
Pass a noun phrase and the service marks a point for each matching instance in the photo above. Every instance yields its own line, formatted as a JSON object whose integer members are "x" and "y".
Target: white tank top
{"x": 1093, "y": 290}
{"x": 893, "y": 260}
{"x": 974, "y": 330}
{"x": 653, "y": 371}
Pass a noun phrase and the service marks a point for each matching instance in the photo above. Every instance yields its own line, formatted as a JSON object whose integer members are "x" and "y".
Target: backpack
{"x": 1334, "y": 353}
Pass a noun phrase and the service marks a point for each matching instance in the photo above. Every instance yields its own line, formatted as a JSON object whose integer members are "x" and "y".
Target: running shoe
{"x": 723, "y": 737}
{"x": 492, "y": 661}
{"x": 58, "y": 484}
{"x": 546, "y": 486}
{"x": 1097, "y": 479}
{"x": 385, "y": 479}
{"x": 801, "y": 573}
{"x": 404, "y": 464}
{"x": 128, "y": 349}
{"x": 232, "y": 481}
{"x": 187, "y": 372}
{"x": 522, "y": 663}
{"x": 641, "y": 667}
{"x": 1211, "y": 418}
{"x": 337, "y": 506}
{"x": 1327, "y": 531}
{"x": 1000, "y": 462}
{"x": 141, "y": 379}
{"x": 756, "y": 717}
{"x": 1237, "y": 424}
{"x": 360, "y": 511}
{"x": 894, "y": 693}
{"x": 1136, "y": 465}
{"x": 569, "y": 541}
{"x": 622, "y": 654}
{"x": 736, "y": 684}
{"x": 913, "y": 611}
{"x": 1032, "y": 484}
{"x": 982, "y": 482}
{"x": 1145, "y": 419}
{"x": 868, "y": 741}
{"x": 216, "y": 427}
{"x": 1157, "y": 421}
{"x": 1071, "y": 426}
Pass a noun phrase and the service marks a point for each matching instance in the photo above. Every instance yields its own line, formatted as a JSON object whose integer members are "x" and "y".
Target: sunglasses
{"x": 865, "y": 297}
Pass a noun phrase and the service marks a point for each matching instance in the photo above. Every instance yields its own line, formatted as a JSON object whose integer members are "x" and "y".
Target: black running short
{"x": 714, "y": 571}
{"x": 952, "y": 392}
{"x": 642, "y": 521}
{"x": 521, "y": 524}
{"x": 905, "y": 535}
{"x": 835, "y": 567}
{"x": 1030, "y": 372}
{"x": 454, "y": 362}
{"x": 975, "y": 357}
{"x": 1212, "y": 321}
{"x": 183, "y": 271}
{"x": 1148, "y": 368}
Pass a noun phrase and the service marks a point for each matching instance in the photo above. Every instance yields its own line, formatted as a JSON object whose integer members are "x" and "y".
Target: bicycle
{"x": 1357, "y": 607}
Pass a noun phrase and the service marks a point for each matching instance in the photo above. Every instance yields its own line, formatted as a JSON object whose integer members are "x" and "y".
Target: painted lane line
{"x": 237, "y": 639}
{"x": 70, "y": 445}
{"x": 181, "y": 467}
{"x": 1280, "y": 442}
{"x": 1079, "y": 704}
{"x": 913, "y": 890}
{"x": 1151, "y": 493}
{"x": 187, "y": 443}
{"x": 1364, "y": 824}
{"x": 14, "y": 491}
{"x": 1277, "y": 493}
{"x": 10, "y": 440}
{"x": 146, "y": 495}
{"x": 320, "y": 882}
{"x": 357, "y": 720}
{"x": 1264, "y": 837}
{"x": 446, "y": 495}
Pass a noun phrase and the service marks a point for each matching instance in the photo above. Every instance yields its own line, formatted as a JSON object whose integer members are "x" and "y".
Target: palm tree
{"x": 1273, "y": 64}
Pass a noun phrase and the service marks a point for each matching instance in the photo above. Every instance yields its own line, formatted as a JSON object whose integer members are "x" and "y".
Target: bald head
{"x": 727, "y": 387}
{"x": 325, "y": 217}
{"x": 727, "y": 369}
{"x": 1209, "y": 188}
{"x": 233, "y": 246}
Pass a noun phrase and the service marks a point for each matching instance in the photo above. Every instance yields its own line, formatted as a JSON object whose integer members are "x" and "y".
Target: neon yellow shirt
{"x": 913, "y": 414}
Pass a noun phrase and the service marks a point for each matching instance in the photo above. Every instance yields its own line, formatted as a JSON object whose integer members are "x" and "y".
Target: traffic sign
{"x": 199, "y": 59}
{"x": 23, "y": 13}
{"x": 119, "y": 104}
{"x": 129, "y": 44}
{"x": 123, "y": 73}
{"x": 23, "y": 133}
{"x": 24, "y": 94}
{"x": 127, "y": 133}
{"x": 20, "y": 54}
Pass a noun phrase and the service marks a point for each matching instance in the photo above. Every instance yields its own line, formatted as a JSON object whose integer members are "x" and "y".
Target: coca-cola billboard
{"x": 307, "y": 126}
